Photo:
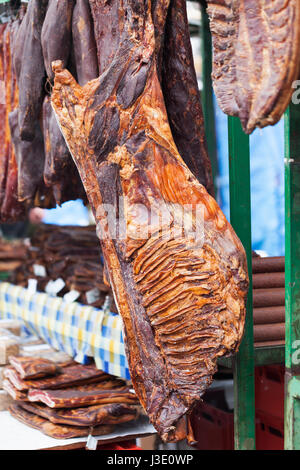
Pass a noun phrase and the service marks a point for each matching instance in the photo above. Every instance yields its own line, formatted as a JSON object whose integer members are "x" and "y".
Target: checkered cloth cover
{"x": 79, "y": 330}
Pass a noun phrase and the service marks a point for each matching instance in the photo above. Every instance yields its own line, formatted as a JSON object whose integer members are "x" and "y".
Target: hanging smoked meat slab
{"x": 181, "y": 293}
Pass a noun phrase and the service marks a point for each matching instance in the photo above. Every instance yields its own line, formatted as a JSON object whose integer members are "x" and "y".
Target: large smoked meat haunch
{"x": 256, "y": 48}
{"x": 181, "y": 295}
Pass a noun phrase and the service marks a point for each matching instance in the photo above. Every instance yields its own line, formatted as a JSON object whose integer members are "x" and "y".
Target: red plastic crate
{"x": 213, "y": 428}
{"x": 124, "y": 445}
{"x": 269, "y": 432}
{"x": 269, "y": 390}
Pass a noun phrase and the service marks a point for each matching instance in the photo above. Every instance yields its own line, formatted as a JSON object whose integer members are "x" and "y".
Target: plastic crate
{"x": 269, "y": 432}
{"x": 213, "y": 428}
{"x": 124, "y": 445}
{"x": 269, "y": 390}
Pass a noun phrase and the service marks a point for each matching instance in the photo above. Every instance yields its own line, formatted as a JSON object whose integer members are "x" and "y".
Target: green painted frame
{"x": 292, "y": 278}
{"x": 240, "y": 217}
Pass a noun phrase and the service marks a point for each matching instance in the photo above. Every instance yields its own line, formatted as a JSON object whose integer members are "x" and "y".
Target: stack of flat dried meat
{"x": 181, "y": 292}
{"x": 67, "y": 401}
{"x": 256, "y": 48}
{"x": 70, "y": 253}
{"x": 12, "y": 255}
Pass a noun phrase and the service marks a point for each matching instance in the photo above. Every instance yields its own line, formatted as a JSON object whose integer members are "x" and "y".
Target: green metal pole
{"x": 207, "y": 95}
{"x": 292, "y": 277}
{"x": 240, "y": 218}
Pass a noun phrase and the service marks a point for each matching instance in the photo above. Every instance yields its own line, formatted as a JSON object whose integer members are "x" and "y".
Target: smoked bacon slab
{"x": 56, "y": 431}
{"x": 115, "y": 413}
{"x": 181, "y": 292}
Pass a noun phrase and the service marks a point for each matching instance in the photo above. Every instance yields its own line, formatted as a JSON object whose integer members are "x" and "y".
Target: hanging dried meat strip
{"x": 182, "y": 96}
{"x": 4, "y": 135}
{"x": 71, "y": 375}
{"x": 29, "y": 66}
{"x": 84, "y": 44}
{"x": 56, "y": 35}
{"x": 69, "y": 398}
{"x": 55, "y": 430}
{"x": 256, "y": 47}
{"x": 30, "y": 159}
{"x": 11, "y": 209}
{"x": 115, "y": 413}
{"x": 181, "y": 294}
{"x": 60, "y": 172}
{"x": 32, "y": 367}
{"x": 3, "y": 160}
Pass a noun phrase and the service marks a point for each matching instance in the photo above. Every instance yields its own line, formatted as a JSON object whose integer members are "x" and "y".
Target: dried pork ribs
{"x": 182, "y": 96}
{"x": 181, "y": 294}
{"x": 29, "y": 67}
{"x": 256, "y": 47}
{"x": 55, "y": 430}
{"x": 115, "y": 413}
{"x": 56, "y": 34}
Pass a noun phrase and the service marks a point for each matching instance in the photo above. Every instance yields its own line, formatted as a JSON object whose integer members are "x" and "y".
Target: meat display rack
{"x": 244, "y": 361}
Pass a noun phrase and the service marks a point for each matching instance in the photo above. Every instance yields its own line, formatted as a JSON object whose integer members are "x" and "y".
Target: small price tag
{"x": 32, "y": 286}
{"x": 92, "y": 295}
{"x": 39, "y": 270}
{"x": 71, "y": 296}
{"x": 36, "y": 347}
{"x": 54, "y": 287}
{"x": 91, "y": 443}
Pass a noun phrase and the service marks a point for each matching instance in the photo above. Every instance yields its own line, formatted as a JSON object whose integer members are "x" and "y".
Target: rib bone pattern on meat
{"x": 181, "y": 296}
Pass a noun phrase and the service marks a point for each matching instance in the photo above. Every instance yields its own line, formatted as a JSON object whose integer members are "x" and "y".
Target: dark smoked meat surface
{"x": 256, "y": 47}
{"x": 115, "y": 413}
{"x": 56, "y": 431}
{"x": 69, "y": 376}
{"x": 68, "y": 398}
{"x": 182, "y": 97}
{"x": 84, "y": 43}
{"x": 32, "y": 368}
{"x": 56, "y": 34}
{"x": 59, "y": 172}
{"x": 182, "y": 299}
{"x": 29, "y": 68}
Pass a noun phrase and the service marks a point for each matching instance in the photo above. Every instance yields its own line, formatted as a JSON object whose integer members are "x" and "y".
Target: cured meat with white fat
{"x": 69, "y": 398}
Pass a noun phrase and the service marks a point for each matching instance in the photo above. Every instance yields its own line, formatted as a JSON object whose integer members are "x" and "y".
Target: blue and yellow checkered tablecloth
{"x": 81, "y": 331}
